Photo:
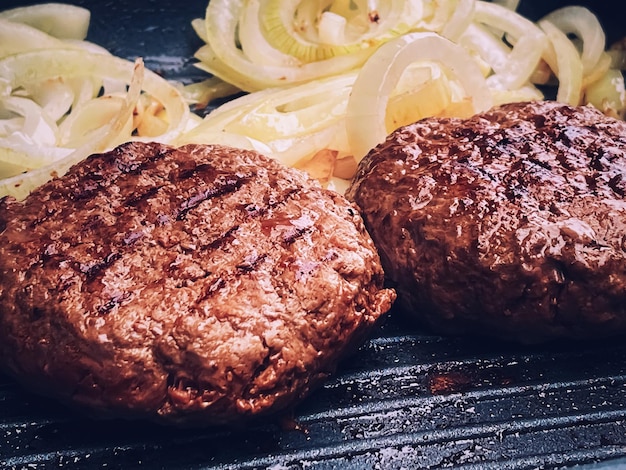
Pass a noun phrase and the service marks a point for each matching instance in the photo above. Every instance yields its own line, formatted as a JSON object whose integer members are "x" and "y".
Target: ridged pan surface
{"x": 404, "y": 400}
{"x": 407, "y": 399}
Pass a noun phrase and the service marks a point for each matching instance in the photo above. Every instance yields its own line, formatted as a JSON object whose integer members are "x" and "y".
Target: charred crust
{"x": 192, "y": 285}
{"x": 518, "y": 196}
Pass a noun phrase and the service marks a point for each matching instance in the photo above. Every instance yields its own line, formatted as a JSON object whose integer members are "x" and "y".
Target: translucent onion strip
{"x": 222, "y": 57}
{"x": 36, "y": 66}
{"x": 436, "y": 14}
{"x": 608, "y": 94}
{"x": 19, "y": 37}
{"x": 365, "y": 121}
{"x": 460, "y": 20}
{"x": 529, "y": 44}
{"x": 580, "y": 22}
{"x": 259, "y": 44}
{"x": 480, "y": 40}
{"x": 60, "y": 20}
{"x": 512, "y": 53}
{"x": 510, "y": 4}
{"x": 602, "y": 67}
{"x": 378, "y": 20}
{"x": 328, "y": 79}
{"x": 565, "y": 61}
{"x": 26, "y": 70}
{"x": 36, "y": 122}
{"x": 253, "y": 43}
{"x": 21, "y": 185}
{"x": 291, "y": 124}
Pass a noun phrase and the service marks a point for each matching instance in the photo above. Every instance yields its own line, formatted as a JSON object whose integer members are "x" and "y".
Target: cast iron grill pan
{"x": 407, "y": 399}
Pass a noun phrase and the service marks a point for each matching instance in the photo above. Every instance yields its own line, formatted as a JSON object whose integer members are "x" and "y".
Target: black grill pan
{"x": 404, "y": 400}
{"x": 407, "y": 399}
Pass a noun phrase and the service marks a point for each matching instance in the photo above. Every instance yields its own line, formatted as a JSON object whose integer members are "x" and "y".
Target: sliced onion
{"x": 87, "y": 46}
{"x": 36, "y": 66}
{"x": 436, "y": 13}
{"x": 292, "y": 122}
{"x": 20, "y": 186}
{"x": 526, "y": 93}
{"x": 12, "y": 163}
{"x": 286, "y": 42}
{"x": 303, "y": 55}
{"x": 581, "y": 22}
{"x": 565, "y": 61}
{"x": 84, "y": 89}
{"x": 429, "y": 99}
{"x": 608, "y": 94}
{"x": 60, "y": 20}
{"x": 37, "y": 125}
{"x": 291, "y": 150}
{"x": 602, "y": 67}
{"x": 199, "y": 27}
{"x": 31, "y": 153}
{"x": 77, "y": 128}
{"x": 510, "y": 4}
{"x": 221, "y": 56}
{"x": 529, "y": 44}
{"x": 201, "y": 93}
{"x": 55, "y": 97}
{"x": 460, "y": 20}
{"x": 19, "y": 37}
{"x": 63, "y": 98}
{"x": 332, "y": 28}
{"x": 29, "y": 68}
{"x": 382, "y": 20}
{"x": 293, "y": 113}
{"x": 481, "y": 40}
{"x": 367, "y": 104}
{"x": 219, "y": 118}
{"x": 217, "y": 137}
{"x": 254, "y": 45}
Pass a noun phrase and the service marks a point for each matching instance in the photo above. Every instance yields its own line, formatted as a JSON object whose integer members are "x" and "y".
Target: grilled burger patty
{"x": 510, "y": 223}
{"x": 201, "y": 284}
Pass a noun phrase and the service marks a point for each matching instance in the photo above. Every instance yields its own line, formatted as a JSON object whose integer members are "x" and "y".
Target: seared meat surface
{"x": 195, "y": 285}
{"x": 510, "y": 223}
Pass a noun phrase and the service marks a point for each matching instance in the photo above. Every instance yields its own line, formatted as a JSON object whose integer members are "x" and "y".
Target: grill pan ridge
{"x": 406, "y": 399}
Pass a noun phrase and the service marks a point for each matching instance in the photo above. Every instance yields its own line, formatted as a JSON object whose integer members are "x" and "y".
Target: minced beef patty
{"x": 196, "y": 285}
{"x": 510, "y": 223}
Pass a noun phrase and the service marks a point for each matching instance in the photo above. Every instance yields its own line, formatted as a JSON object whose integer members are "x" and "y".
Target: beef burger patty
{"x": 201, "y": 284}
{"x": 512, "y": 222}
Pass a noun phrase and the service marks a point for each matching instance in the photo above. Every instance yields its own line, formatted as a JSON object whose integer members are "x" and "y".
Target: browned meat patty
{"x": 201, "y": 284}
{"x": 510, "y": 223}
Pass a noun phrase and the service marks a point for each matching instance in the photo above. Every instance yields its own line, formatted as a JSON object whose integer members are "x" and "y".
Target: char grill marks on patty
{"x": 178, "y": 281}
{"x": 509, "y": 223}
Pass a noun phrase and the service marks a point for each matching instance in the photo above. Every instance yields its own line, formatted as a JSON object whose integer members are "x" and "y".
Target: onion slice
{"x": 61, "y": 20}
{"x": 222, "y": 57}
{"x": 564, "y": 60}
{"x": 365, "y": 119}
{"x": 608, "y": 94}
{"x": 460, "y": 20}
{"x": 20, "y": 37}
{"x": 510, "y": 4}
{"x": 290, "y": 123}
{"x": 379, "y": 20}
{"x": 529, "y": 44}
{"x": 21, "y": 185}
{"x": 34, "y": 66}
{"x": 24, "y": 71}
{"x": 581, "y": 22}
